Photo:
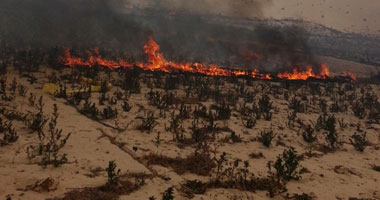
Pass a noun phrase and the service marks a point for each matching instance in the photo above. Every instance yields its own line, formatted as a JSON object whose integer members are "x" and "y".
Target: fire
{"x": 351, "y": 75}
{"x": 92, "y": 61}
{"x": 70, "y": 61}
{"x": 325, "y": 71}
{"x": 157, "y": 62}
{"x": 297, "y": 75}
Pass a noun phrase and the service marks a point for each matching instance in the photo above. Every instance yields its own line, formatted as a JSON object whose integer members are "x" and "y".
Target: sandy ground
{"x": 341, "y": 174}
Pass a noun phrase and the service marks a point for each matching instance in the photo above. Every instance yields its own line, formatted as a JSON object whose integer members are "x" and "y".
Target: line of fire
{"x": 157, "y": 62}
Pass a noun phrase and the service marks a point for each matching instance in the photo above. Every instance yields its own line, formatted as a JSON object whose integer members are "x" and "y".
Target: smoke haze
{"x": 182, "y": 28}
{"x": 237, "y": 8}
{"x": 40, "y": 23}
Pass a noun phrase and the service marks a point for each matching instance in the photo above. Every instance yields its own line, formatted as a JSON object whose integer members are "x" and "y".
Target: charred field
{"x": 94, "y": 132}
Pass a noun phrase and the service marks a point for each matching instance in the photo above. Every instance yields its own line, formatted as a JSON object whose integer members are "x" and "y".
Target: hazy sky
{"x": 348, "y": 15}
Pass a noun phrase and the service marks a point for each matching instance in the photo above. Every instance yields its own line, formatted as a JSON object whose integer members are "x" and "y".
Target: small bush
{"x": 168, "y": 194}
{"x": 359, "y": 109}
{"x": 37, "y": 121}
{"x": 376, "y": 168}
{"x": 359, "y": 141}
{"x": 15, "y": 115}
{"x": 125, "y": 106}
{"x": 326, "y": 122}
{"x": 323, "y": 105}
{"x": 112, "y": 174}
{"x": 32, "y": 99}
{"x": 332, "y": 140}
{"x": 50, "y": 145}
{"x": 175, "y": 124}
{"x": 338, "y": 107}
{"x": 292, "y": 118}
{"x": 233, "y": 137}
{"x": 265, "y": 106}
{"x": 90, "y": 110}
{"x": 223, "y": 111}
{"x": 287, "y": 165}
{"x": 4, "y": 125}
{"x": 22, "y": 90}
{"x": 102, "y": 99}
{"x": 308, "y": 135}
{"x": 109, "y": 113}
{"x": 250, "y": 122}
{"x": 195, "y": 186}
{"x": 184, "y": 111}
{"x": 256, "y": 155}
{"x": 148, "y": 122}
{"x": 296, "y": 105}
{"x": 302, "y": 196}
{"x": 198, "y": 134}
{"x": 235, "y": 176}
{"x": 266, "y": 137}
{"x": 342, "y": 124}
{"x": 10, "y": 136}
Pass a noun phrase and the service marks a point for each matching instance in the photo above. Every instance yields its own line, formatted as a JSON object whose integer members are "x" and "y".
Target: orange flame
{"x": 92, "y": 61}
{"x": 324, "y": 71}
{"x": 296, "y": 75}
{"x": 351, "y": 75}
{"x": 157, "y": 62}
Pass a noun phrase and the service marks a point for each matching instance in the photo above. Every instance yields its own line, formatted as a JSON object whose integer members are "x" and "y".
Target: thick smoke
{"x": 284, "y": 47}
{"x": 226, "y": 32}
{"x": 235, "y": 8}
{"x": 72, "y": 23}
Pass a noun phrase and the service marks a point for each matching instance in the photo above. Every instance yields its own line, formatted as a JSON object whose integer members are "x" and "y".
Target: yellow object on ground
{"x": 50, "y": 88}
{"x": 90, "y": 81}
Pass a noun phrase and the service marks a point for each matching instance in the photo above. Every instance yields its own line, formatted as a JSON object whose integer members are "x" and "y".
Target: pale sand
{"x": 87, "y": 150}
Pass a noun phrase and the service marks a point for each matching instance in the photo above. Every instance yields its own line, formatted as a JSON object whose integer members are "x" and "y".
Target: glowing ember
{"x": 157, "y": 62}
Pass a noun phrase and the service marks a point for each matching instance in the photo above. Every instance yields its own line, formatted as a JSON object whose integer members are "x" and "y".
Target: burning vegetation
{"x": 157, "y": 62}
{"x": 255, "y": 119}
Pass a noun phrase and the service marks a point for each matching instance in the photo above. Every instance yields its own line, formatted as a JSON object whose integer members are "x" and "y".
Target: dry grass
{"x": 199, "y": 164}
{"x": 106, "y": 192}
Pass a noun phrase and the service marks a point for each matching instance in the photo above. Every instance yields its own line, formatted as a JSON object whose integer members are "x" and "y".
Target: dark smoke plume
{"x": 235, "y": 8}
{"x": 41, "y": 23}
{"x": 286, "y": 47}
{"x": 226, "y": 32}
